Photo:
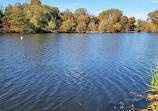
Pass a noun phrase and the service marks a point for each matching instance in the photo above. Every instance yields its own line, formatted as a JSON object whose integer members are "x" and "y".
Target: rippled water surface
{"x": 73, "y": 72}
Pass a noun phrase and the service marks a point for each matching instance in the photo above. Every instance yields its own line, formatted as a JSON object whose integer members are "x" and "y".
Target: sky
{"x": 136, "y": 8}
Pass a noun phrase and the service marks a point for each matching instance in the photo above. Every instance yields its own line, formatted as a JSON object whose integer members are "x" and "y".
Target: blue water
{"x": 74, "y": 72}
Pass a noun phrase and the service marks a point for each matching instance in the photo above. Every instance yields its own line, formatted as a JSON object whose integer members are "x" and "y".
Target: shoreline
{"x": 60, "y": 32}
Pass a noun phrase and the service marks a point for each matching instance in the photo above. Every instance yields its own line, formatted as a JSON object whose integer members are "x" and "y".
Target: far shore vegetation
{"x": 38, "y": 18}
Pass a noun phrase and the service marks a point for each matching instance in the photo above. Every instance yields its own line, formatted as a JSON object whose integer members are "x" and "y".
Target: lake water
{"x": 74, "y": 72}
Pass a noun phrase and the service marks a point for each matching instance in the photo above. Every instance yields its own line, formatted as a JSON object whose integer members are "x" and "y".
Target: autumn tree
{"x": 18, "y": 18}
{"x": 81, "y": 27}
{"x": 102, "y": 25}
{"x": 6, "y": 19}
{"x": 94, "y": 19}
{"x": 91, "y": 26}
{"x": 151, "y": 28}
{"x": 110, "y": 28}
{"x": 140, "y": 26}
{"x": 81, "y": 11}
{"x": 109, "y": 13}
{"x": 117, "y": 27}
{"x": 85, "y": 19}
{"x": 66, "y": 15}
{"x": 123, "y": 22}
{"x": 35, "y": 2}
{"x": 68, "y": 26}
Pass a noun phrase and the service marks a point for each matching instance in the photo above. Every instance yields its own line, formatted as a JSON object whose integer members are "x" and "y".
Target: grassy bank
{"x": 152, "y": 96}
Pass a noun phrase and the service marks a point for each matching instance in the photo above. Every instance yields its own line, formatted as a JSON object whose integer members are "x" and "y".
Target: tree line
{"x": 35, "y": 17}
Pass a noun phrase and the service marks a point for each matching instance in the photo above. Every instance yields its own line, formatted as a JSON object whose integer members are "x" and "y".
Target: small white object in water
{"x": 21, "y": 37}
{"x": 80, "y": 104}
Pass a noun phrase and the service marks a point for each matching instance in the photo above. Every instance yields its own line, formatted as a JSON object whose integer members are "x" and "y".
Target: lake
{"x": 74, "y": 72}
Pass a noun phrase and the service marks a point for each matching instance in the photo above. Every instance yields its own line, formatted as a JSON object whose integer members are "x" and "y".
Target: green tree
{"x": 131, "y": 23}
{"x": 54, "y": 11}
{"x": 68, "y": 26}
{"x": 54, "y": 18}
{"x": 153, "y": 17}
{"x": 38, "y": 16}
{"x": 141, "y": 25}
{"x": 1, "y": 15}
{"x": 81, "y": 27}
{"x": 52, "y": 25}
{"x": 9, "y": 7}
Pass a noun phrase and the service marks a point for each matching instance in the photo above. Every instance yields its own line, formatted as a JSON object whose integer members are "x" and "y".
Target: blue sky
{"x": 137, "y": 8}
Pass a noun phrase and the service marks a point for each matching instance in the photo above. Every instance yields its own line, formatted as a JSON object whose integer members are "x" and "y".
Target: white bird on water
{"x": 21, "y": 37}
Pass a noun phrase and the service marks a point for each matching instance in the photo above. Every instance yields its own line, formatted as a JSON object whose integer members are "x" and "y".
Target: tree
{"x": 151, "y": 28}
{"x": 68, "y": 26}
{"x": 141, "y": 24}
{"x": 1, "y": 15}
{"x": 131, "y": 23}
{"x": 66, "y": 15}
{"x": 114, "y": 19}
{"x": 117, "y": 27}
{"x": 153, "y": 17}
{"x": 102, "y": 25}
{"x": 81, "y": 27}
{"x": 54, "y": 17}
{"x": 54, "y": 11}
{"x": 109, "y": 13}
{"x": 82, "y": 18}
{"x": 81, "y": 11}
{"x": 94, "y": 19}
{"x": 6, "y": 19}
{"x": 52, "y": 25}
{"x": 9, "y": 7}
{"x": 91, "y": 26}
{"x": 38, "y": 16}
{"x": 18, "y": 18}
{"x": 123, "y": 22}
{"x": 109, "y": 27}
{"x": 35, "y": 2}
